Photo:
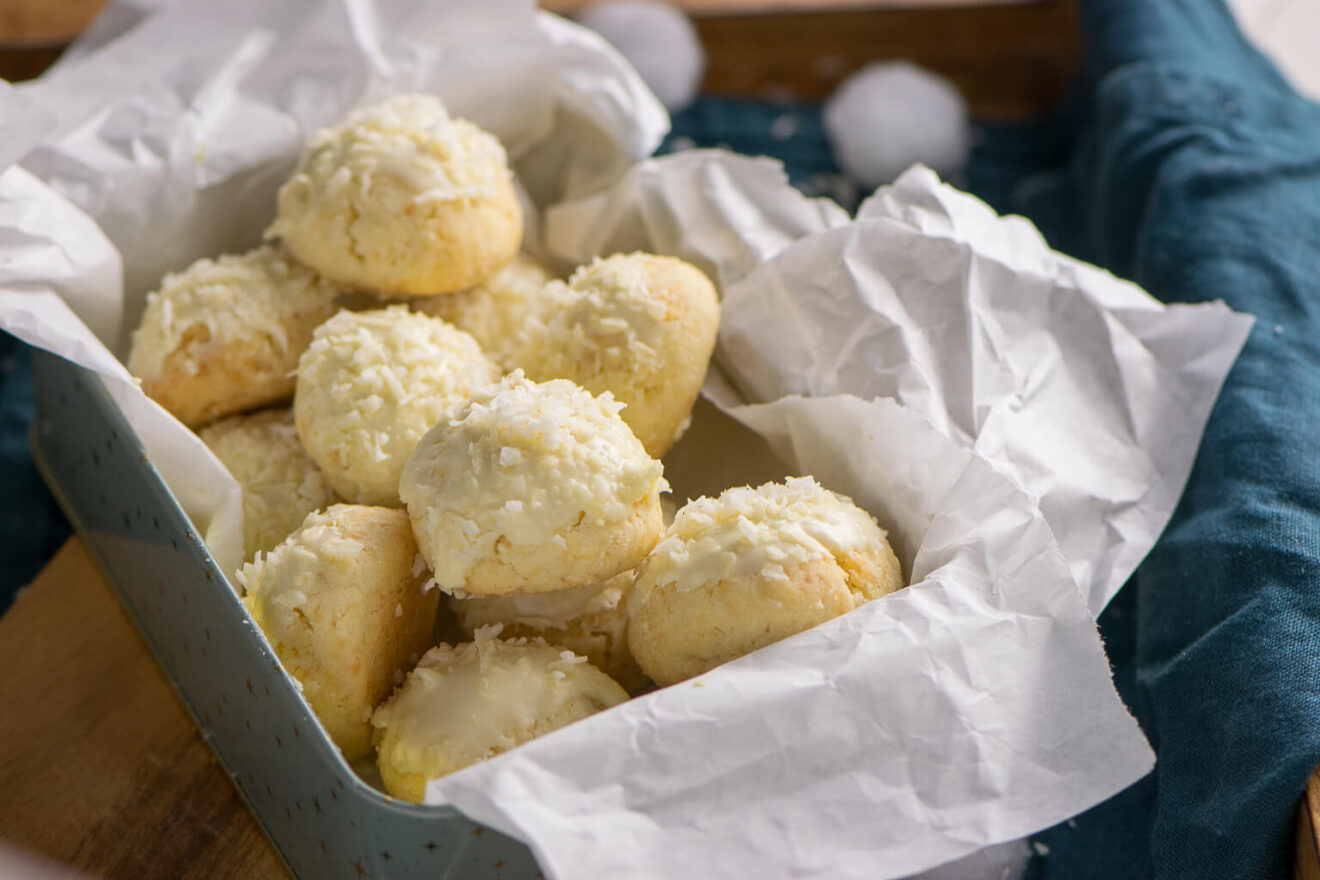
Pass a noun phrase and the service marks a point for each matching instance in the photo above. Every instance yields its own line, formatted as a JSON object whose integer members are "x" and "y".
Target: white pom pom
{"x": 658, "y": 39}
{"x": 888, "y": 116}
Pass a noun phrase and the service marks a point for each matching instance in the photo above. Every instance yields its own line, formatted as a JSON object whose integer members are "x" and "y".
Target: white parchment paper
{"x": 972, "y": 708}
{"x": 723, "y": 213}
{"x": 60, "y": 290}
{"x": 1081, "y": 387}
{"x": 188, "y": 120}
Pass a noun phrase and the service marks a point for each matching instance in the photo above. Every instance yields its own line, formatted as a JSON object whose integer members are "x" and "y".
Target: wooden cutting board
{"x": 101, "y": 767}
{"x": 1010, "y": 58}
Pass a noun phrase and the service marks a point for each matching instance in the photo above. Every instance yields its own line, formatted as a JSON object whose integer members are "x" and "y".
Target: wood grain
{"x": 102, "y": 768}
{"x": 1009, "y": 59}
{"x": 761, "y": 7}
{"x": 43, "y": 21}
{"x": 1306, "y": 851}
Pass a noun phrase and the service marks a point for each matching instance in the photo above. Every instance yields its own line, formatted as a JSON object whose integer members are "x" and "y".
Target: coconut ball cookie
{"x": 402, "y": 199}
{"x": 591, "y": 621}
{"x": 640, "y": 326}
{"x": 495, "y": 311}
{"x": 281, "y": 484}
{"x": 343, "y": 604}
{"x": 467, "y": 703}
{"x": 532, "y": 488}
{"x": 371, "y": 384}
{"x": 224, "y": 335}
{"x": 753, "y": 566}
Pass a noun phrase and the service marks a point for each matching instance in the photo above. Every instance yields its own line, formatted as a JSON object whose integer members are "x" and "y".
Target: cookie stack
{"x": 414, "y": 407}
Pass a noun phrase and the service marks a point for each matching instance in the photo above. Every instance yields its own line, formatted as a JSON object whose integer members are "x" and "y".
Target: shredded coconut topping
{"x": 759, "y": 532}
{"x": 281, "y": 484}
{"x": 373, "y": 200}
{"x": 407, "y": 142}
{"x": 560, "y": 453}
{"x": 371, "y": 384}
{"x": 496, "y": 310}
{"x": 605, "y": 319}
{"x": 233, "y": 297}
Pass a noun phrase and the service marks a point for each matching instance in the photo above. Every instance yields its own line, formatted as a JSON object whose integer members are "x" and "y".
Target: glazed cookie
{"x": 223, "y": 336}
{"x": 343, "y": 604}
{"x": 467, "y": 703}
{"x": 640, "y": 326}
{"x": 371, "y": 384}
{"x": 495, "y": 311}
{"x": 532, "y": 488}
{"x": 281, "y": 484}
{"x": 591, "y": 621}
{"x": 402, "y": 199}
{"x": 753, "y": 566}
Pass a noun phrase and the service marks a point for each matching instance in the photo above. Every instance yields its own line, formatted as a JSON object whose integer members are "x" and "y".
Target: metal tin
{"x": 324, "y": 820}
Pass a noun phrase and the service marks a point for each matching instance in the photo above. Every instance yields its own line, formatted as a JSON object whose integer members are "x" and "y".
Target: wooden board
{"x": 1009, "y": 59}
{"x": 101, "y": 768}
{"x": 1306, "y": 851}
{"x": 761, "y": 7}
{"x": 37, "y": 21}
{"x": 41, "y": 21}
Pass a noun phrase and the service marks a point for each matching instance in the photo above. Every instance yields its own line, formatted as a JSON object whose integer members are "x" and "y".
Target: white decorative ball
{"x": 658, "y": 39}
{"x": 886, "y": 117}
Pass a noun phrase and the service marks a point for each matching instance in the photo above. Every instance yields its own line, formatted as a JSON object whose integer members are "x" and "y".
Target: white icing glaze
{"x": 466, "y": 703}
{"x": 555, "y": 610}
{"x": 757, "y": 532}
{"x": 563, "y": 454}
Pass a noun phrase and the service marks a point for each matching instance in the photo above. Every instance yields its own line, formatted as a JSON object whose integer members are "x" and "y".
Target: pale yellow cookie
{"x": 640, "y": 326}
{"x": 496, "y": 310}
{"x": 402, "y": 199}
{"x": 223, "y": 336}
{"x": 371, "y": 384}
{"x": 467, "y": 703}
{"x": 753, "y": 566}
{"x": 531, "y": 488}
{"x": 281, "y": 484}
{"x": 343, "y": 603}
{"x": 591, "y": 621}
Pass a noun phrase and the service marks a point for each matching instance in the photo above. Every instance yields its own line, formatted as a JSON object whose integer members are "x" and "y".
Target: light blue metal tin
{"x": 324, "y": 820}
